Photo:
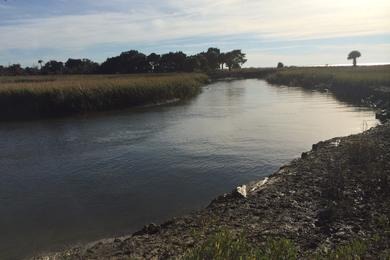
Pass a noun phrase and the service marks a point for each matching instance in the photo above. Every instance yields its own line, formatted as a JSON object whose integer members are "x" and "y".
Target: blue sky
{"x": 299, "y": 32}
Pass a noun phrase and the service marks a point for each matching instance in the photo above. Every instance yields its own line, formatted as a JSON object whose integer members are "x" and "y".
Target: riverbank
{"x": 54, "y": 96}
{"x": 335, "y": 199}
{"x": 368, "y": 85}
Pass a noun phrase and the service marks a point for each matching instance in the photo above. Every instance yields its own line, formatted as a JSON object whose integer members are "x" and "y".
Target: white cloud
{"x": 148, "y": 21}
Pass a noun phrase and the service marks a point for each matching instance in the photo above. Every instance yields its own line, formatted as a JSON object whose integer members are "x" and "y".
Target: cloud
{"x": 147, "y": 22}
{"x": 4, "y": 6}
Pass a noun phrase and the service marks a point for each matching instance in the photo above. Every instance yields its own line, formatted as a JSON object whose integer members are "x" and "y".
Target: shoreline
{"x": 303, "y": 201}
{"x": 368, "y": 92}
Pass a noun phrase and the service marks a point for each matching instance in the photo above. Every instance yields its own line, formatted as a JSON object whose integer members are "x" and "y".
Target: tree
{"x": 173, "y": 61}
{"x": 222, "y": 60}
{"x": 154, "y": 61}
{"x": 235, "y": 59}
{"x": 133, "y": 62}
{"x": 127, "y": 62}
{"x": 31, "y": 70}
{"x": 203, "y": 62}
{"x": 40, "y": 63}
{"x": 78, "y": 66}
{"x": 212, "y": 56}
{"x": 15, "y": 69}
{"x": 136, "y": 62}
{"x": 192, "y": 64}
{"x": 53, "y": 67}
{"x": 353, "y": 55}
{"x": 280, "y": 65}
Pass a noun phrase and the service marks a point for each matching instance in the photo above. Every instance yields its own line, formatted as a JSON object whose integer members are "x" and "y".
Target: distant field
{"x": 50, "y": 96}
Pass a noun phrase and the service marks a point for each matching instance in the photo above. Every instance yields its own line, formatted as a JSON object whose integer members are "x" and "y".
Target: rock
{"x": 148, "y": 229}
{"x": 241, "y": 191}
{"x": 259, "y": 184}
{"x": 324, "y": 216}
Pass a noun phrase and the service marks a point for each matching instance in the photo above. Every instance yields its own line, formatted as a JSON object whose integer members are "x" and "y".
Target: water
{"x": 78, "y": 179}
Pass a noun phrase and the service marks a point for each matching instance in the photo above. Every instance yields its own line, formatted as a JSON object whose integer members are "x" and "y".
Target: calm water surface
{"x": 83, "y": 178}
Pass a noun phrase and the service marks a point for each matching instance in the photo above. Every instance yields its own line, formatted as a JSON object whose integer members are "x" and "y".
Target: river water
{"x": 72, "y": 180}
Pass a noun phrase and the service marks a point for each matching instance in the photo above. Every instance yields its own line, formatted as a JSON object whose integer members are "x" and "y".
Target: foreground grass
{"x": 224, "y": 245}
{"x": 49, "y": 96}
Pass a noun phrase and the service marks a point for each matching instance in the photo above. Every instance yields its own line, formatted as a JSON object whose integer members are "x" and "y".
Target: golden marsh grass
{"x": 43, "y": 96}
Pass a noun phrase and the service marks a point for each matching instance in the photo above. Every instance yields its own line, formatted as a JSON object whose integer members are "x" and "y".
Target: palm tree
{"x": 353, "y": 55}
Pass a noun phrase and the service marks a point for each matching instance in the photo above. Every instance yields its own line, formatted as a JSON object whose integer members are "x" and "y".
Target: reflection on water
{"x": 78, "y": 179}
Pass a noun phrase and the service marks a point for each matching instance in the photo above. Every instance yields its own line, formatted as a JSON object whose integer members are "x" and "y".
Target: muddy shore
{"x": 334, "y": 194}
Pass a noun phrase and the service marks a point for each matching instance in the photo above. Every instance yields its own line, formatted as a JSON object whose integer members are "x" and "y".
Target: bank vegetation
{"x": 27, "y": 97}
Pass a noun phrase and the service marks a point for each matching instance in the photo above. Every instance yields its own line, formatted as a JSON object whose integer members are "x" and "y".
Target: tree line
{"x": 136, "y": 62}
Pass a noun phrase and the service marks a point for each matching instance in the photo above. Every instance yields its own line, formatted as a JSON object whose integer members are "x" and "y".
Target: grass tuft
{"x": 226, "y": 245}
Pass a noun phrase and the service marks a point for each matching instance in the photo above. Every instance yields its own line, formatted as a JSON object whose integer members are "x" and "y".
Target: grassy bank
{"x": 370, "y": 84}
{"x": 51, "y": 96}
{"x": 360, "y": 78}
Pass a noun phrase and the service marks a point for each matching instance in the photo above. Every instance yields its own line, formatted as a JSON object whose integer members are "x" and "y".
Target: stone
{"x": 241, "y": 191}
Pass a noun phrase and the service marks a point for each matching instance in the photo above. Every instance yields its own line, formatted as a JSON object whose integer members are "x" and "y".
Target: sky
{"x": 298, "y": 32}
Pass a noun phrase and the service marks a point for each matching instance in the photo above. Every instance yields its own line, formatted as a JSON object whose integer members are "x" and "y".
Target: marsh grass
{"x": 228, "y": 245}
{"x": 349, "y": 82}
{"x": 365, "y": 75}
{"x": 49, "y": 96}
{"x": 354, "y": 250}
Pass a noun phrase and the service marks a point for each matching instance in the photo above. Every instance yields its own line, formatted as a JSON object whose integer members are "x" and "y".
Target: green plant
{"x": 225, "y": 245}
{"x": 280, "y": 249}
{"x": 355, "y": 250}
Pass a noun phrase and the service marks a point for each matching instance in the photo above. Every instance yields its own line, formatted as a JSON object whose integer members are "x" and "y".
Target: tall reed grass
{"x": 50, "y": 96}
